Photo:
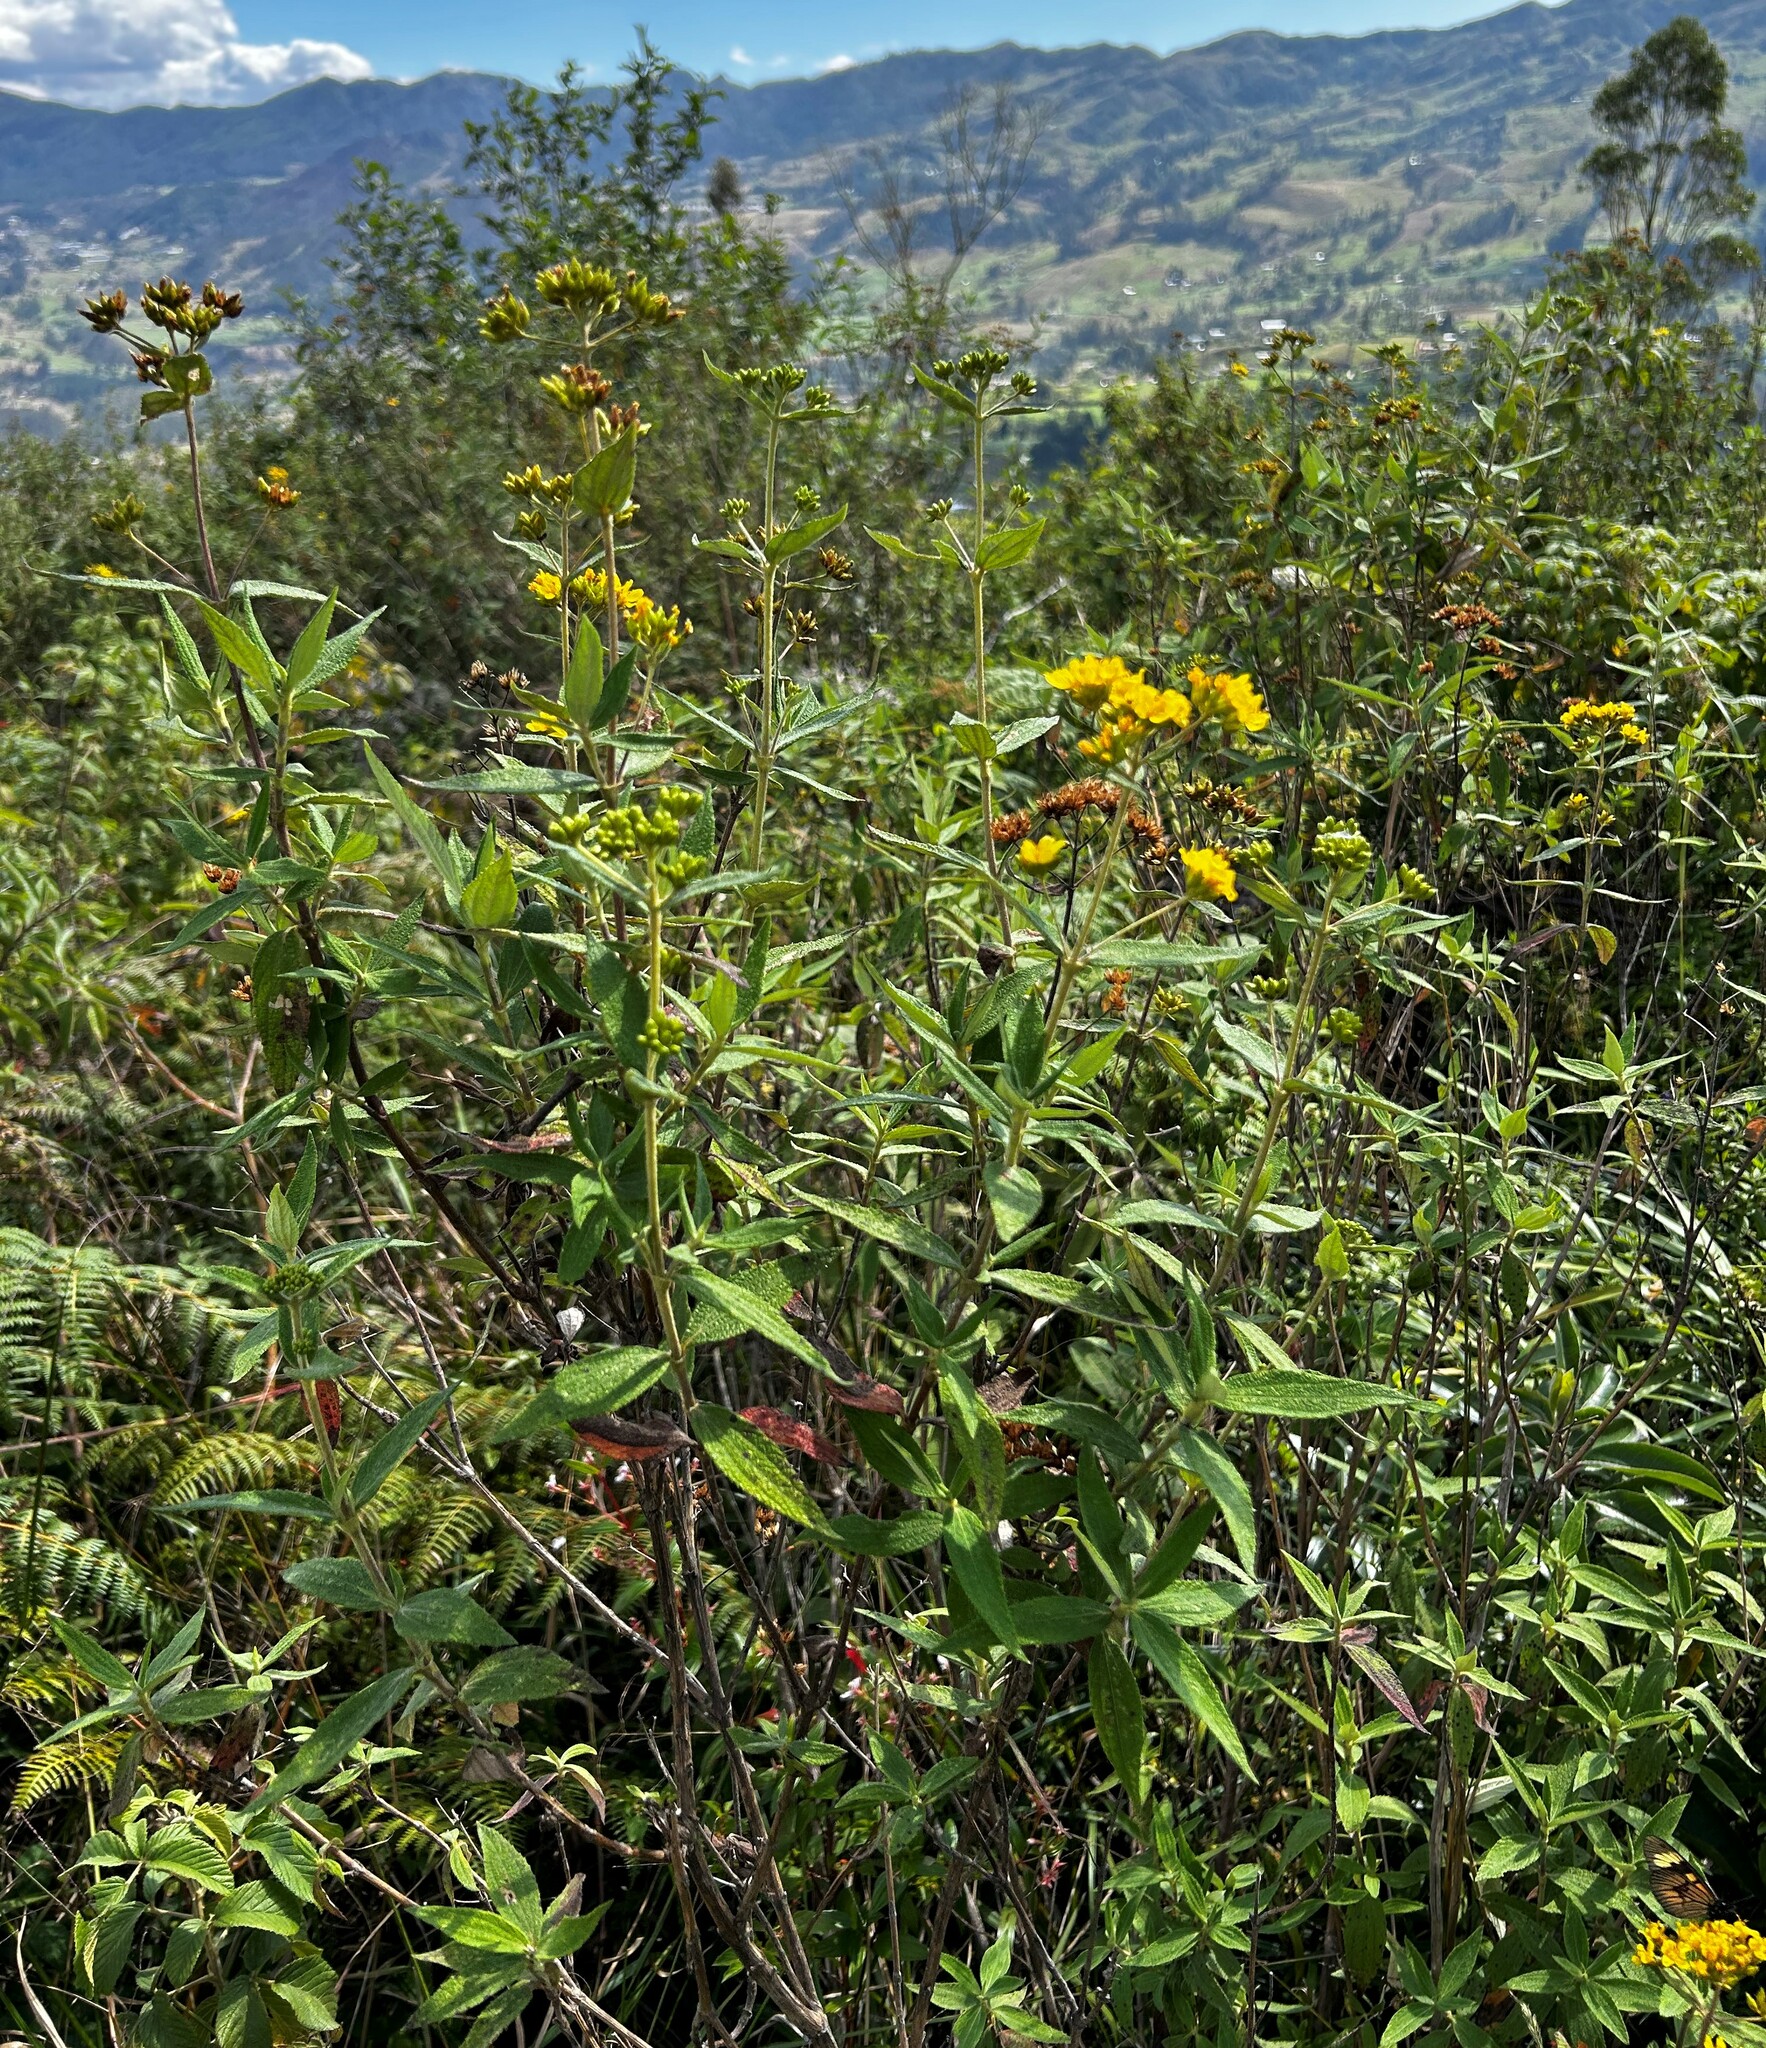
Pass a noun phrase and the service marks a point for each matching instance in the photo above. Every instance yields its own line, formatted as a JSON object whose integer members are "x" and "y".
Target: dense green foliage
{"x": 1014, "y": 1299}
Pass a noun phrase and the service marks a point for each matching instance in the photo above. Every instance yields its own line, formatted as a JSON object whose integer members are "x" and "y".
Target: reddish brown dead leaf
{"x": 792, "y": 1435}
{"x": 634, "y": 1438}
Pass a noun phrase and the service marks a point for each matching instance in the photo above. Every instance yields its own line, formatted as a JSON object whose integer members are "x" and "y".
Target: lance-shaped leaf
{"x": 968, "y": 1543}
{"x": 331, "y": 1742}
{"x": 751, "y": 1461}
{"x": 1117, "y": 1712}
{"x": 1182, "y": 1668}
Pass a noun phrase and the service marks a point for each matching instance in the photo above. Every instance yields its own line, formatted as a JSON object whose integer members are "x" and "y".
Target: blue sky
{"x": 114, "y": 53}
{"x": 782, "y": 37}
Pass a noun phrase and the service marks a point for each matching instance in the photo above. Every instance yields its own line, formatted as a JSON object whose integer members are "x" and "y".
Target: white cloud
{"x": 840, "y": 63}
{"x": 119, "y": 53}
{"x": 740, "y": 57}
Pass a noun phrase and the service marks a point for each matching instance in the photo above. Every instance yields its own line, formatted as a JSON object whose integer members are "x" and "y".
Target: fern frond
{"x": 60, "y": 1766}
{"x": 235, "y": 1462}
{"x": 66, "y": 1569}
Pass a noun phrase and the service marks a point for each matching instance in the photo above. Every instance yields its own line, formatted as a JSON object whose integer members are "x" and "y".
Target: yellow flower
{"x": 1154, "y": 706}
{"x": 1094, "y": 680}
{"x": 1238, "y": 369}
{"x": 1231, "y": 699}
{"x": 549, "y": 724}
{"x": 1583, "y": 719}
{"x": 1720, "y": 1952}
{"x": 1043, "y": 852}
{"x": 645, "y": 620}
{"x": 1635, "y": 734}
{"x": 545, "y": 586}
{"x": 1210, "y": 873}
{"x": 100, "y": 569}
{"x": 660, "y": 630}
{"x": 276, "y": 473}
{"x": 1115, "y": 739}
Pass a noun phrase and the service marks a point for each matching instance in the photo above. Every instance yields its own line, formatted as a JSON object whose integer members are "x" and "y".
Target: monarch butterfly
{"x": 1680, "y": 1886}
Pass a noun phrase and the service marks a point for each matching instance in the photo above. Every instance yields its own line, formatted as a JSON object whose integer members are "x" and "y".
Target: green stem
{"x": 763, "y": 759}
{"x": 658, "y": 1249}
{"x": 1278, "y": 1101}
{"x": 1073, "y": 958}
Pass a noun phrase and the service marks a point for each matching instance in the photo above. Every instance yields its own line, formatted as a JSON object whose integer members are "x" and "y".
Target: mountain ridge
{"x": 1352, "y": 183}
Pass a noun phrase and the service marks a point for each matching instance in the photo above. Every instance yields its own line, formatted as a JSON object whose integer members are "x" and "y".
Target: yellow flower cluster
{"x": 1129, "y": 708}
{"x": 1231, "y": 699}
{"x": 1590, "y": 723}
{"x": 644, "y": 619}
{"x": 1720, "y": 1952}
{"x": 1208, "y": 872}
{"x": 1096, "y": 680}
{"x": 1133, "y": 707}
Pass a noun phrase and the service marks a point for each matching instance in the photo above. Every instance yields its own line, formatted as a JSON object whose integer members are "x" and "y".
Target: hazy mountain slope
{"x": 1354, "y": 184}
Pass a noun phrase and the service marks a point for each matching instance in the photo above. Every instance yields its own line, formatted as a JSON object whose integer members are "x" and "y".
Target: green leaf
{"x": 184, "y": 1851}
{"x": 107, "y": 1946}
{"x": 93, "y": 1658}
{"x": 1195, "y": 1603}
{"x": 388, "y": 1452}
{"x": 888, "y": 1226}
{"x": 1117, "y": 1713}
{"x": 1223, "y": 1479}
{"x": 240, "y": 648}
{"x": 1086, "y": 1423}
{"x": 978, "y": 1438}
{"x": 899, "y": 1536}
{"x": 307, "y": 1991}
{"x": 749, "y": 1312}
{"x": 756, "y": 1464}
{"x": 1172, "y": 956}
{"x": 444, "y": 1614}
{"x": 254, "y": 1905}
{"x": 968, "y": 1543}
{"x": 1009, "y": 546}
{"x": 1182, "y": 1668}
{"x": 1296, "y": 1396}
{"x": 603, "y": 486}
{"x": 490, "y": 898}
{"x": 473, "y": 1927}
{"x": 600, "y": 1385}
{"x": 338, "y": 1581}
{"x": 510, "y": 1883}
{"x": 582, "y": 680}
{"x": 1015, "y": 1196}
{"x": 526, "y": 1672}
{"x": 305, "y": 656}
{"x": 499, "y": 2017}
{"x": 279, "y": 1005}
{"x": 269, "y": 1501}
{"x": 513, "y": 778}
{"x": 421, "y": 826}
{"x": 1176, "y": 1553}
{"x": 780, "y": 547}
{"x": 331, "y": 1742}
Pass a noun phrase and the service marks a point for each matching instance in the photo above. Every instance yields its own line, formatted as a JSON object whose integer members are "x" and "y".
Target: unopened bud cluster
{"x": 1344, "y": 851}
{"x": 631, "y": 833}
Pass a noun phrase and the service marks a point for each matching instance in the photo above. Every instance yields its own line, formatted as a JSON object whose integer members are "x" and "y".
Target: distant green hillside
{"x": 1356, "y": 186}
